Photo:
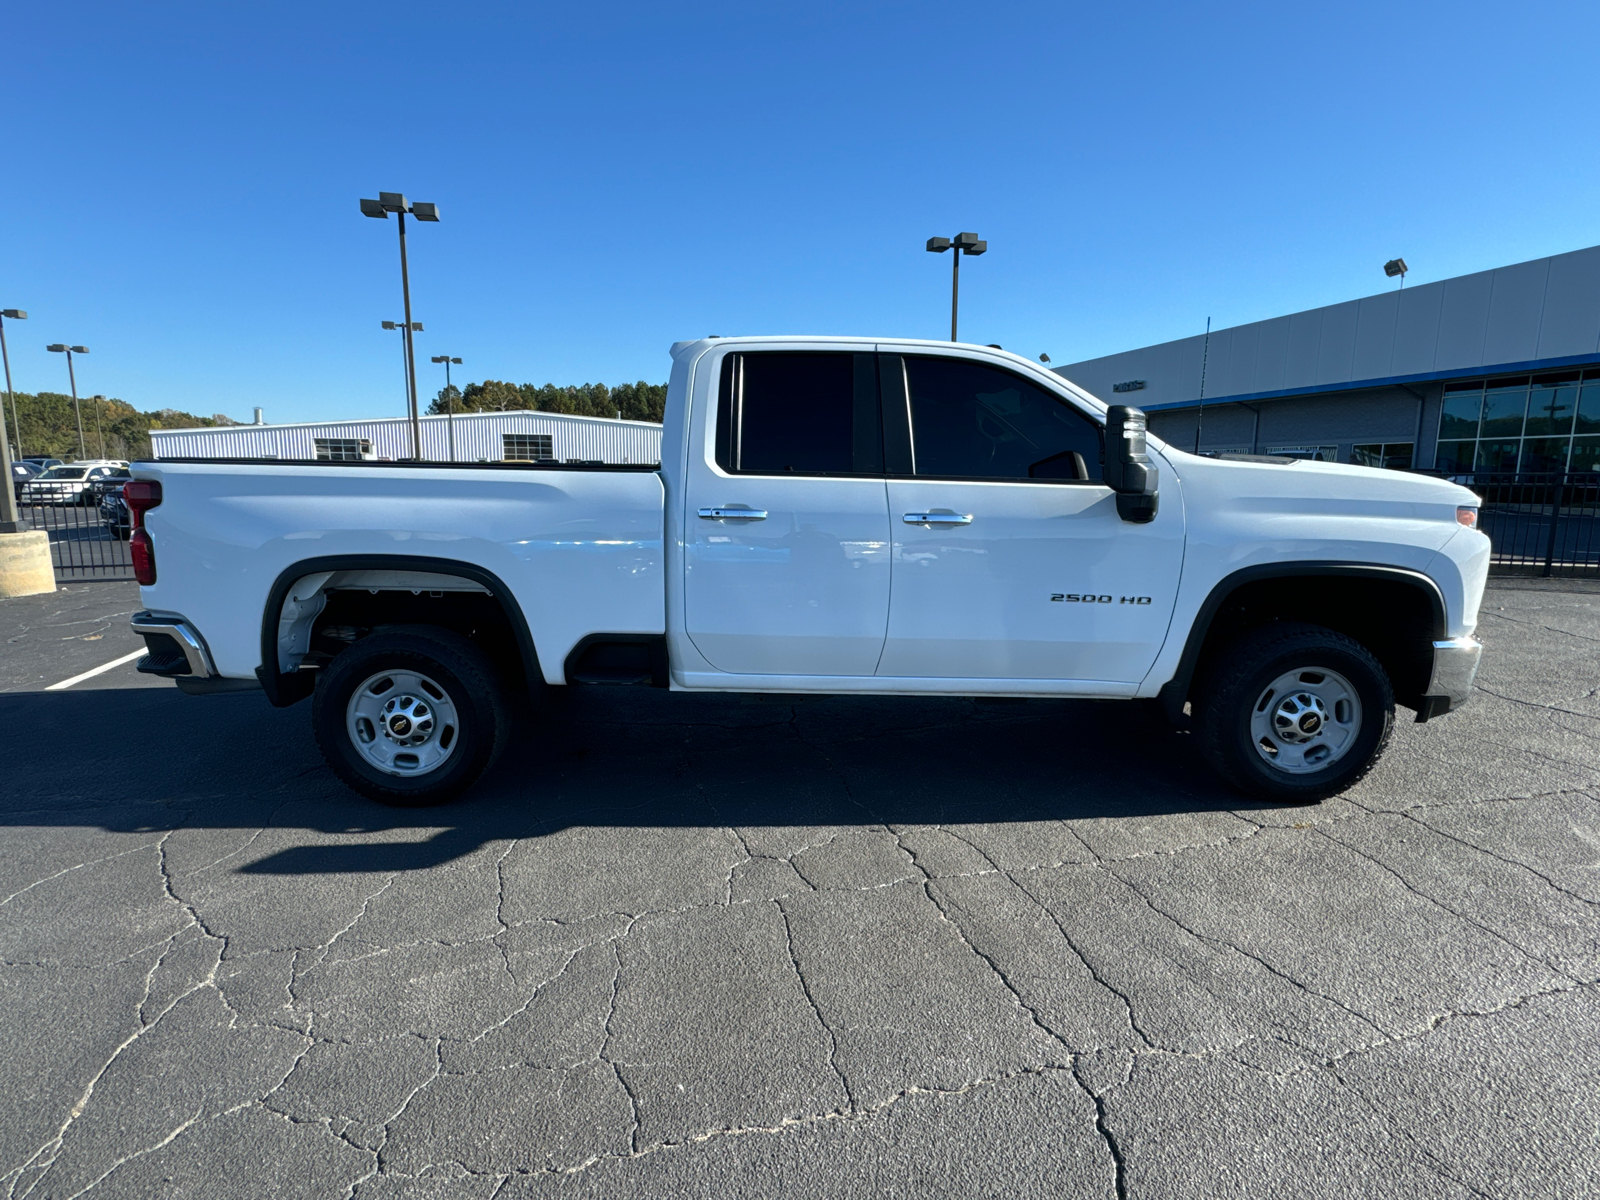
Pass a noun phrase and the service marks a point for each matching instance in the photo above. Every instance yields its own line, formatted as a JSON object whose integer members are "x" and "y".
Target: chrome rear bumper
{"x": 162, "y": 631}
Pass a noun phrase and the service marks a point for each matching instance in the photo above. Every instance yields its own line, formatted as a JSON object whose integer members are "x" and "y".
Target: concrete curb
{"x": 25, "y": 568}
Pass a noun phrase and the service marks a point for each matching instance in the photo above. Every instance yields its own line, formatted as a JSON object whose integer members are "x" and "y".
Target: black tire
{"x": 1225, "y": 704}
{"x": 469, "y": 684}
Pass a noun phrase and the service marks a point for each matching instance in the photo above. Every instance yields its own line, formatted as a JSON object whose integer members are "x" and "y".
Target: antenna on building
{"x": 1200, "y": 417}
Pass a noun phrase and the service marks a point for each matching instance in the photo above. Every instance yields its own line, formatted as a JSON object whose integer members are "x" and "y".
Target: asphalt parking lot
{"x": 710, "y": 946}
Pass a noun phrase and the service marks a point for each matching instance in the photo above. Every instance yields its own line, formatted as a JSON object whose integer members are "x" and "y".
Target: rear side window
{"x": 805, "y": 413}
{"x": 970, "y": 421}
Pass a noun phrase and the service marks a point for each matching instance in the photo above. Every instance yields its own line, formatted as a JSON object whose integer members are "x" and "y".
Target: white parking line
{"x": 100, "y": 670}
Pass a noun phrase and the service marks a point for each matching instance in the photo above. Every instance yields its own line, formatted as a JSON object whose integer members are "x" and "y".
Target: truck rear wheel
{"x": 410, "y": 715}
{"x": 1293, "y": 713}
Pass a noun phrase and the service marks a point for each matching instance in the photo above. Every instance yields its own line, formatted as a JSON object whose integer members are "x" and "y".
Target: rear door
{"x": 787, "y": 531}
{"x": 1010, "y": 561}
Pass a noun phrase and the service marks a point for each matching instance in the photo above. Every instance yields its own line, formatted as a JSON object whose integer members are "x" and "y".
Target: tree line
{"x": 111, "y": 428}
{"x": 632, "y": 401}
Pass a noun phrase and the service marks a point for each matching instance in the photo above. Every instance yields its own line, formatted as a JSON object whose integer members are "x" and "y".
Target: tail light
{"x": 143, "y": 552}
{"x": 141, "y": 495}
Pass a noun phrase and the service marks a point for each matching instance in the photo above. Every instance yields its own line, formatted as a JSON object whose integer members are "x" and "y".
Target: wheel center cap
{"x": 1299, "y": 718}
{"x": 400, "y": 726}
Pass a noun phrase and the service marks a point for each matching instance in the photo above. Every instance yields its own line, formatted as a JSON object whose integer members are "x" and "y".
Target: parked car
{"x": 114, "y": 512}
{"x": 43, "y": 461}
{"x": 1046, "y": 546}
{"x": 21, "y": 473}
{"x": 73, "y": 483}
{"x": 111, "y": 480}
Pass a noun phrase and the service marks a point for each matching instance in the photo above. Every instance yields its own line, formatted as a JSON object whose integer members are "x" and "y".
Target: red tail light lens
{"x": 140, "y": 496}
{"x": 143, "y": 552}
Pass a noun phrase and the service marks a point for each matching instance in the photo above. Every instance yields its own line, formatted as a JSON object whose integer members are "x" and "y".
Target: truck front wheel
{"x": 1293, "y": 713}
{"x": 410, "y": 715}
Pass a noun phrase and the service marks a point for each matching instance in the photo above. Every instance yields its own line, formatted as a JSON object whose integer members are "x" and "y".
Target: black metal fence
{"x": 1540, "y": 524}
{"x": 88, "y": 534}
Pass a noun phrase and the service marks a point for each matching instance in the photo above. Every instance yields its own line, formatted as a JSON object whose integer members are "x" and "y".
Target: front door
{"x": 787, "y": 529}
{"x": 1009, "y": 559}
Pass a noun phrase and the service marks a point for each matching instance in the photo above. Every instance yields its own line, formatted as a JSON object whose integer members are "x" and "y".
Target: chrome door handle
{"x": 733, "y": 514}
{"x": 935, "y": 518}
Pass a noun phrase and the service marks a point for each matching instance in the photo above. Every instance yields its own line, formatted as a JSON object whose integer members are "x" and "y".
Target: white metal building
{"x": 478, "y": 437}
{"x": 1498, "y": 370}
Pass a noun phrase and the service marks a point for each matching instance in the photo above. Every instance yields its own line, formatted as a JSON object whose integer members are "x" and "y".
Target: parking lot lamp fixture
{"x": 395, "y": 202}
{"x": 406, "y": 328}
{"x": 963, "y": 243}
{"x": 69, "y": 351}
{"x": 8, "y": 502}
{"x": 449, "y": 399}
{"x": 1396, "y": 266}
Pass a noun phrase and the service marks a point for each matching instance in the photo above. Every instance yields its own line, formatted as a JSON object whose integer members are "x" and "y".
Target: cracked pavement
{"x": 701, "y": 945}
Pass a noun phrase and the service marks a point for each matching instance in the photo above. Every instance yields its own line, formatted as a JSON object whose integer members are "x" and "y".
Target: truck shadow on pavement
{"x": 152, "y": 760}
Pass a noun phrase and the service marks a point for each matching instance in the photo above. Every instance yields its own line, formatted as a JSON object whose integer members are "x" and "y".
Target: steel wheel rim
{"x": 1305, "y": 720}
{"x": 403, "y": 723}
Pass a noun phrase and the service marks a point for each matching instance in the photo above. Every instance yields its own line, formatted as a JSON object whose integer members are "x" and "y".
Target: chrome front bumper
{"x": 1455, "y": 664}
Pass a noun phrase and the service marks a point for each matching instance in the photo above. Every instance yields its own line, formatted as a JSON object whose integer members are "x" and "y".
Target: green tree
{"x": 634, "y": 401}
{"x": 49, "y": 426}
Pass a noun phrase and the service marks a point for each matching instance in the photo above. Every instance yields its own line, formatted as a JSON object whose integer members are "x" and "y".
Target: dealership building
{"x": 1495, "y": 371}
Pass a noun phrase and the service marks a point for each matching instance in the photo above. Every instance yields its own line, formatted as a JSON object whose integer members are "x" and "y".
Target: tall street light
{"x": 963, "y": 243}
{"x": 69, "y": 351}
{"x": 394, "y": 202}
{"x": 99, "y": 427}
{"x": 8, "y": 502}
{"x": 407, "y": 328}
{"x": 449, "y": 399}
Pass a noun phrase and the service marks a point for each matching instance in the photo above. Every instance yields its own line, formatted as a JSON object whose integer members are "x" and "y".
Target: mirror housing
{"x": 1128, "y": 468}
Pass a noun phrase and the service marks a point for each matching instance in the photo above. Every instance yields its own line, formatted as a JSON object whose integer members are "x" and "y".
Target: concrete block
{"x": 25, "y": 568}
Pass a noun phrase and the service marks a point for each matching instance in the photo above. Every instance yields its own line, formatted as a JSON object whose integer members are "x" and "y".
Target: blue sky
{"x": 180, "y": 181}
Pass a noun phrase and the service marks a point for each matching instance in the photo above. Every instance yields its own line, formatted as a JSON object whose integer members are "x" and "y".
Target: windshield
{"x": 64, "y": 473}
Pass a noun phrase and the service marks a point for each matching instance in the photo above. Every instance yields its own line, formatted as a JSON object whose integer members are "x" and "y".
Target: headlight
{"x": 1467, "y": 515}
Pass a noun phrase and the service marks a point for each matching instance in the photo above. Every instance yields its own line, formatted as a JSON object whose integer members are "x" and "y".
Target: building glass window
{"x": 1520, "y": 424}
{"x": 1395, "y": 456}
{"x": 1585, "y": 454}
{"x": 341, "y": 449}
{"x": 527, "y": 447}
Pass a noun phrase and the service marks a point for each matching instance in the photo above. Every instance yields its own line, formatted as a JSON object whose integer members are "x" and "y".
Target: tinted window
{"x": 976, "y": 422}
{"x": 799, "y": 413}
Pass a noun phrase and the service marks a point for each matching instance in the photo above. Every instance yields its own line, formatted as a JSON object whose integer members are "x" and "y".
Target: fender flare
{"x": 1175, "y": 692}
{"x": 285, "y": 689}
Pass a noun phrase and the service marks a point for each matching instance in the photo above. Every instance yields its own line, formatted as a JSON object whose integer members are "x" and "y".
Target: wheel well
{"x": 1396, "y": 618}
{"x": 320, "y": 607}
{"x": 353, "y": 613}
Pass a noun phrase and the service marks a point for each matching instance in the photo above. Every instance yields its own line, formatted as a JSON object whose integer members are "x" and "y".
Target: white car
{"x": 74, "y": 483}
{"x": 830, "y": 515}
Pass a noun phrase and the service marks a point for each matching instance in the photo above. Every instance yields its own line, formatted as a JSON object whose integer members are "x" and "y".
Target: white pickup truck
{"x": 830, "y": 515}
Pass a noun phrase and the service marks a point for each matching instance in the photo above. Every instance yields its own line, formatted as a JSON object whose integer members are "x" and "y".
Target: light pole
{"x": 963, "y": 243}
{"x": 407, "y": 365}
{"x": 99, "y": 427}
{"x": 394, "y": 202}
{"x": 8, "y": 502}
{"x": 1396, "y": 266}
{"x": 449, "y": 399}
{"x": 69, "y": 351}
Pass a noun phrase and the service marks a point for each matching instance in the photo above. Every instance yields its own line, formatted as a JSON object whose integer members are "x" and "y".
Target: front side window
{"x": 972, "y": 421}
{"x": 799, "y": 413}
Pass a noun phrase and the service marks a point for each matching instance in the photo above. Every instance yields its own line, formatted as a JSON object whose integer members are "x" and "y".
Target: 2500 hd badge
{"x": 1089, "y": 598}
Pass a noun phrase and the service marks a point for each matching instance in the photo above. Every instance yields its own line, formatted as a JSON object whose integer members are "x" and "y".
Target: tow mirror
{"x": 1128, "y": 468}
